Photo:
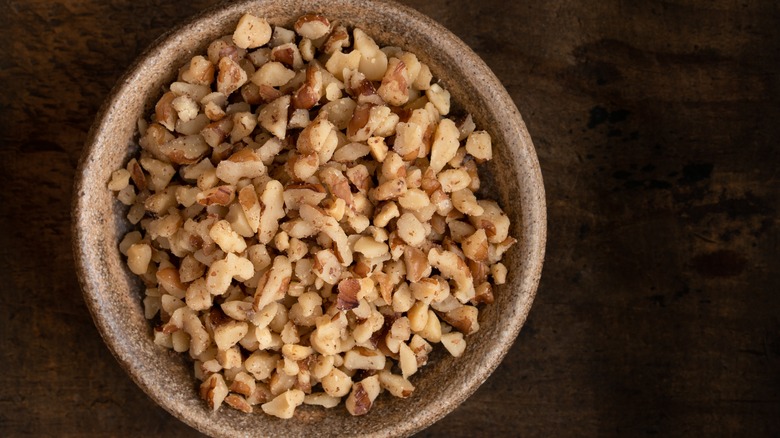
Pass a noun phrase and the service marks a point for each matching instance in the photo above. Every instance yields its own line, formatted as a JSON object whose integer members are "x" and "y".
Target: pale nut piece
{"x": 273, "y": 116}
{"x": 370, "y": 247}
{"x": 465, "y": 202}
{"x": 221, "y": 272}
{"x": 395, "y": 83}
{"x": 479, "y": 145}
{"x": 221, "y": 195}
{"x": 250, "y": 205}
{"x": 283, "y": 405}
{"x": 410, "y": 229}
{"x": 165, "y": 113}
{"x": 186, "y": 108}
{"x": 227, "y": 239}
{"x": 272, "y": 74}
{"x": 414, "y": 199}
{"x": 373, "y": 62}
{"x": 412, "y": 65}
{"x": 127, "y": 195}
{"x": 304, "y": 166}
{"x": 129, "y": 240}
{"x": 198, "y": 296}
{"x": 340, "y": 111}
{"x": 425, "y": 290}
{"x": 421, "y": 349}
{"x": 322, "y": 399}
{"x": 309, "y": 94}
{"x": 351, "y": 152}
{"x": 200, "y": 339}
{"x": 377, "y": 148}
{"x": 306, "y": 311}
{"x": 138, "y": 257}
{"x": 187, "y": 149}
{"x": 244, "y": 123}
{"x": 454, "y": 343}
{"x": 337, "y": 40}
{"x": 251, "y": 32}
{"x": 296, "y": 352}
{"x": 340, "y": 62}
{"x": 230, "y": 358}
{"x": 312, "y": 26}
{"x": 393, "y": 166}
{"x": 493, "y": 220}
{"x": 236, "y": 309}
{"x": 216, "y": 132}
{"x": 228, "y": 334}
{"x": 408, "y": 140}
{"x": 475, "y": 246}
{"x": 360, "y": 358}
{"x": 245, "y": 163}
{"x": 160, "y": 173}
{"x": 273, "y": 201}
{"x": 230, "y": 77}
{"x": 498, "y": 271}
{"x": 289, "y": 55}
{"x": 315, "y": 137}
{"x": 307, "y": 49}
{"x": 363, "y": 395}
{"x": 276, "y": 284}
{"x": 195, "y": 91}
{"x": 496, "y": 250}
{"x": 432, "y": 330}
{"x": 445, "y": 144}
{"x": 387, "y": 212}
{"x": 168, "y": 280}
{"x": 452, "y": 180}
{"x": 281, "y": 36}
{"x": 199, "y": 72}
{"x": 239, "y": 403}
{"x": 440, "y": 98}
{"x": 327, "y": 266}
{"x": 463, "y": 319}
{"x": 402, "y": 299}
{"x": 423, "y": 80}
{"x": 390, "y": 189}
{"x": 261, "y": 364}
{"x": 416, "y": 263}
{"x": 332, "y": 229}
{"x": 295, "y": 196}
{"x": 395, "y": 384}
{"x": 322, "y": 366}
{"x": 484, "y": 293}
{"x": 407, "y": 360}
{"x": 214, "y": 390}
{"x": 453, "y": 267}
{"x": 418, "y": 316}
{"x": 363, "y": 331}
{"x": 337, "y": 383}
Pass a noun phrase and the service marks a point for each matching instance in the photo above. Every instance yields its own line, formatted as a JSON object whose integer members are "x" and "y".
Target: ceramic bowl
{"x": 113, "y": 295}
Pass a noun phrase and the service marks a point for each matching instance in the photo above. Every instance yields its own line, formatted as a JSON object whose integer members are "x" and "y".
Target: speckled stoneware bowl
{"x": 113, "y": 295}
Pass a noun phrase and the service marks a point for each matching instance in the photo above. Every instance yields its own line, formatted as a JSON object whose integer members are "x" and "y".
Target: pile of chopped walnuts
{"x": 308, "y": 223}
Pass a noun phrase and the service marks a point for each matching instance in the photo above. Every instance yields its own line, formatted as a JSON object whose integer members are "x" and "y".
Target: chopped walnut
{"x": 307, "y": 219}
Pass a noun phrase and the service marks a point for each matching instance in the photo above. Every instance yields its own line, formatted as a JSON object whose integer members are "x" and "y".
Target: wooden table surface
{"x": 656, "y": 124}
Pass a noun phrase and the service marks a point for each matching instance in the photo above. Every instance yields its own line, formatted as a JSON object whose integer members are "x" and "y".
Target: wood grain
{"x": 656, "y": 124}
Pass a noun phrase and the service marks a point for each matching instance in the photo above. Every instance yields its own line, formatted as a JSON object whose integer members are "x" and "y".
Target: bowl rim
{"x": 536, "y": 215}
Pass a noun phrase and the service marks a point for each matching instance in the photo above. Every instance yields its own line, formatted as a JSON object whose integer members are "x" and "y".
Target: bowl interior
{"x": 113, "y": 295}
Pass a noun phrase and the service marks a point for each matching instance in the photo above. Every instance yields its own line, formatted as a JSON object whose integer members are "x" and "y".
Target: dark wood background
{"x": 656, "y": 124}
